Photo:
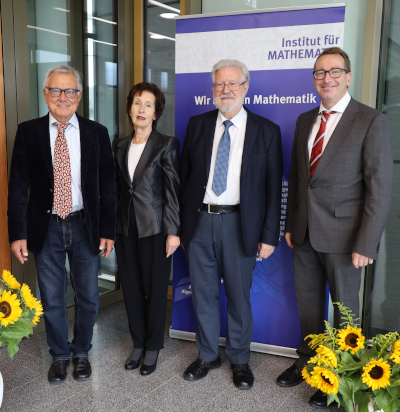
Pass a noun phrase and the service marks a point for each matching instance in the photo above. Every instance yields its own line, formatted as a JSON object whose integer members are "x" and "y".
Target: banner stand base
{"x": 254, "y": 346}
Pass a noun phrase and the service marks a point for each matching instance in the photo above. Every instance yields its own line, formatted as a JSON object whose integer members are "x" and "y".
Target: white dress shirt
{"x": 135, "y": 152}
{"x": 333, "y": 121}
{"x": 74, "y": 147}
{"x": 237, "y": 132}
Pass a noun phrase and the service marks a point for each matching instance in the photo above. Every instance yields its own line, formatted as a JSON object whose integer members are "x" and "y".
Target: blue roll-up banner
{"x": 279, "y": 47}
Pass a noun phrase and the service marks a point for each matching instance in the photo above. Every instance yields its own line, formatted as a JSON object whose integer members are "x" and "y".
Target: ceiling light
{"x": 159, "y": 36}
{"x": 168, "y": 15}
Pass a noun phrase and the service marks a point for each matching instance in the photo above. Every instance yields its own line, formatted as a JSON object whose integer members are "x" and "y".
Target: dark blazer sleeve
{"x": 378, "y": 177}
{"x": 273, "y": 191}
{"x": 171, "y": 215}
{"x": 185, "y": 167}
{"x": 107, "y": 188}
{"x": 293, "y": 183}
{"x": 18, "y": 190}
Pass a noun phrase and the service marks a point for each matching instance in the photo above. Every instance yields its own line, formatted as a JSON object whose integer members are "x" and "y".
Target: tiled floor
{"x": 111, "y": 388}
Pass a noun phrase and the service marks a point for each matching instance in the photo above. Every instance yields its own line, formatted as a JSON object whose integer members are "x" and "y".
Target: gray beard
{"x": 227, "y": 108}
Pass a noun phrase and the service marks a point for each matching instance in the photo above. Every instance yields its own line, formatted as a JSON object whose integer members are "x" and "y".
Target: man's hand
{"x": 18, "y": 247}
{"x": 172, "y": 244}
{"x": 265, "y": 251}
{"x": 106, "y": 244}
{"x": 288, "y": 238}
{"x": 360, "y": 260}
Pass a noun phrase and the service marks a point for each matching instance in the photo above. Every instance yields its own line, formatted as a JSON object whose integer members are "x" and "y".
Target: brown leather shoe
{"x": 58, "y": 371}
{"x": 82, "y": 369}
{"x": 291, "y": 377}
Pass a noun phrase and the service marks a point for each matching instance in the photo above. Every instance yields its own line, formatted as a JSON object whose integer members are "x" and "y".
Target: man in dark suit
{"x": 66, "y": 163}
{"x": 339, "y": 198}
{"x": 231, "y": 183}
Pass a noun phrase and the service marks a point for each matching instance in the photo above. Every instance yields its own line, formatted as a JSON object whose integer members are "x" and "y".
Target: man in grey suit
{"x": 339, "y": 198}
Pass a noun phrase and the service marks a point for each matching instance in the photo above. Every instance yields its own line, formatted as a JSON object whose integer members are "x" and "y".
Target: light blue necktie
{"x": 222, "y": 161}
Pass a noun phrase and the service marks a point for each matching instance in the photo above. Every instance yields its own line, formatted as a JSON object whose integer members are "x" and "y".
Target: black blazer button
{"x": 198, "y": 210}
{"x": 51, "y": 190}
{"x": 48, "y": 212}
{"x": 130, "y": 191}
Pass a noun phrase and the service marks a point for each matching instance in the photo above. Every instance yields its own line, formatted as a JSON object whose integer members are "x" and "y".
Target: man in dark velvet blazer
{"x": 231, "y": 183}
{"x": 65, "y": 162}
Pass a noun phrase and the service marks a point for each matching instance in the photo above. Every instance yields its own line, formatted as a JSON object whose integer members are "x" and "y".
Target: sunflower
{"x": 327, "y": 356}
{"x": 10, "y": 280}
{"x": 395, "y": 356}
{"x": 307, "y": 377}
{"x": 37, "y": 306}
{"x": 350, "y": 339}
{"x": 27, "y": 295}
{"x": 10, "y": 309}
{"x": 376, "y": 374}
{"x": 325, "y": 380}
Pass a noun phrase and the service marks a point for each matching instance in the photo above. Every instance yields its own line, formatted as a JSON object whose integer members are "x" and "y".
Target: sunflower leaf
{"x": 374, "y": 353}
{"x": 345, "y": 391}
{"x": 12, "y": 347}
{"x": 362, "y": 400}
{"x": 17, "y": 330}
{"x": 383, "y": 399}
{"x": 394, "y": 391}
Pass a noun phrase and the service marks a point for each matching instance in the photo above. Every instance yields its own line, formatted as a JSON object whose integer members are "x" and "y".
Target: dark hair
{"x": 148, "y": 87}
{"x": 340, "y": 52}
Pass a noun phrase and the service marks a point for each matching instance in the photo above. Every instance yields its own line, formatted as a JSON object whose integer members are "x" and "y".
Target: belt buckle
{"x": 209, "y": 210}
{"x": 58, "y": 217}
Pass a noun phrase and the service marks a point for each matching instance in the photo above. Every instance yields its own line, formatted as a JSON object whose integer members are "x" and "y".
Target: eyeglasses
{"x": 56, "y": 92}
{"x": 333, "y": 73}
{"x": 218, "y": 87}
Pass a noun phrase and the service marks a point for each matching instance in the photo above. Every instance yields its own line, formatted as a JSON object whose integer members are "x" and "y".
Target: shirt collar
{"x": 73, "y": 121}
{"x": 339, "y": 107}
{"x": 237, "y": 120}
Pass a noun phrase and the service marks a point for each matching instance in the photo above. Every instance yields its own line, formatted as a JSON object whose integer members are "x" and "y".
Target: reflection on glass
{"x": 55, "y": 37}
{"x": 385, "y": 302}
{"x": 160, "y": 56}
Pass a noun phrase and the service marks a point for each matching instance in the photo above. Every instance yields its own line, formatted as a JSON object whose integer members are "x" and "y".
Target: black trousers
{"x": 144, "y": 271}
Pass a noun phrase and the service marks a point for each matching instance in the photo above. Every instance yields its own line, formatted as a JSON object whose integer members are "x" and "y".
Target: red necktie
{"x": 316, "y": 151}
{"x": 62, "y": 174}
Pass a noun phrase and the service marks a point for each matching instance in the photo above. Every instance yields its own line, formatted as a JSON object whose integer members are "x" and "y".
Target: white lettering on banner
{"x": 268, "y": 48}
{"x": 271, "y": 99}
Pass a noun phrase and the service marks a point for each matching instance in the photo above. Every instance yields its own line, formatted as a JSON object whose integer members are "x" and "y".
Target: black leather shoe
{"x": 82, "y": 369}
{"x": 132, "y": 364}
{"x": 242, "y": 376}
{"x": 148, "y": 369}
{"x": 320, "y": 401}
{"x": 58, "y": 371}
{"x": 291, "y": 377}
{"x": 199, "y": 369}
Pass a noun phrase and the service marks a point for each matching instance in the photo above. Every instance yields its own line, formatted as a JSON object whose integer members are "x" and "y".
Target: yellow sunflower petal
{"x": 10, "y": 280}
{"x": 10, "y": 309}
{"x": 327, "y": 356}
{"x": 307, "y": 377}
{"x": 350, "y": 339}
{"x": 37, "y": 306}
{"x": 325, "y": 380}
{"x": 27, "y": 295}
{"x": 376, "y": 374}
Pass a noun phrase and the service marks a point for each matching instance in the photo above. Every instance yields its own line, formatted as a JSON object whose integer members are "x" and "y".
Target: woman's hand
{"x": 172, "y": 244}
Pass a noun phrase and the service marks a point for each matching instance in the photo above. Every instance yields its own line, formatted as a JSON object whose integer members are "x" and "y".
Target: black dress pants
{"x": 144, "y": 271}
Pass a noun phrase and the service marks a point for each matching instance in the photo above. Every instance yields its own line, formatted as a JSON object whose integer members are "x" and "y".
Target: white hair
{"x": 231, "y": 63}
{"x": 64, "y": 70}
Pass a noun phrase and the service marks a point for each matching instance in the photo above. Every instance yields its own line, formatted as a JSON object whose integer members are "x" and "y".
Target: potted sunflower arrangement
{"x": 360, "y": 375}
{"x": 19, "y": 312}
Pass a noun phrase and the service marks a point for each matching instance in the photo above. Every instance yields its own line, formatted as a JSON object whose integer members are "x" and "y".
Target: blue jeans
{"x": 70, "y": 238}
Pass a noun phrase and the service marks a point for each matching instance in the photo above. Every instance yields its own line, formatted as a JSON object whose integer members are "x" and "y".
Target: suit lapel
{"x": 150, "y": 151}
{"x": 121, "y": 157}
{"x": 43, "y": 135}
{"x": 88, "y": 145}
{"x": 303, "y": 140}
{"x": 339, "y": 135}
{"x": 250, "y": 138}
{"x": 209, "y": 132}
